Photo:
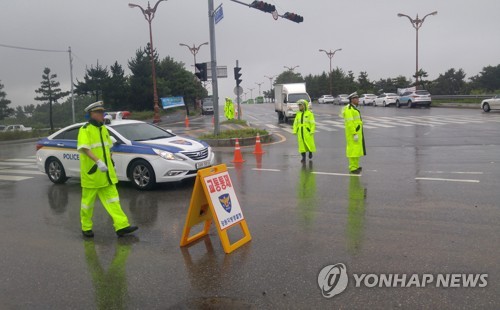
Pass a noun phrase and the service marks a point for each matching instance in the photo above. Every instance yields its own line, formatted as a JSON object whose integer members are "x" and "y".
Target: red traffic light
{"x": 263, "y": 6}
{"x": 293, "y": 17}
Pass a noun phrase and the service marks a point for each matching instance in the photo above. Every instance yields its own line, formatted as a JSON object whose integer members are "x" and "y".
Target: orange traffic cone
{"x": 238, "y": 158}
{"x": 258, "y": 146}
{"x": 186, "y": 121}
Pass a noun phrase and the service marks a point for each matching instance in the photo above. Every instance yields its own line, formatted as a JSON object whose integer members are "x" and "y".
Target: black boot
{"x": 310, "y": 155}
{"x": 126, "y": 230}
{"x": 88, "y": 233}
{"x": 303, "y": 160}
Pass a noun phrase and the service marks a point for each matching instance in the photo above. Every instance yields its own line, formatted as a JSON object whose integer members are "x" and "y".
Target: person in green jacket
{"x": 355, "y": 142}
{"x": 98, "y": 175}
{"x": 229, "y": 109}
{"x": 304, "y": 127}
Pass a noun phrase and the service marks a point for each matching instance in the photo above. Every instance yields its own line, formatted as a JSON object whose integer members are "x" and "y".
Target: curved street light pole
{"x": 149, "y": 14}
{"x": 416, "y": 23}
{"x": 259, "y": 86}
{"x": 270, "y": 85}
{"x": 330, "y": 55}
{"x": 194, "y": 50}
{"x": 291, "y": 68}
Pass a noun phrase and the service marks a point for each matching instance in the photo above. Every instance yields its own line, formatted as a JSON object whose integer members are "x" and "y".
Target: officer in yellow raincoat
{"x": 304, "y": 127}
{"x": 355, "y": 142}
{"x": 229, "y": 109}
{"x": 98, "y": 176}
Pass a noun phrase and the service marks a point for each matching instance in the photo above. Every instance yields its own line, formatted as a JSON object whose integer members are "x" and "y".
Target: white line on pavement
{"x": 326, "y": 128}
{"x": 22, "y": 160}
{"x": 13, "y": 178}
{"x": 271, "y": 126}
{"x": 11, "y": 171}
{"x": 262, "y": 169}
{"x": 14, "y": 164}
{"x": 455, "y": 172}
{"x": 287, "y": 129}
{"x": 447, "y": 180}
{"x": 337, "y": 174}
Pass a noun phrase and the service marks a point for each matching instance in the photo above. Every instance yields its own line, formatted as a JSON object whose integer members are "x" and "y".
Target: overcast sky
{"x": 464, "y": 34}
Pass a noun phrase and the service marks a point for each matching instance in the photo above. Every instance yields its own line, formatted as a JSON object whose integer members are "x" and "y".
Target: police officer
{"x": 304, "y": 127}
{"x": 98, "y": 176}
{"x": 355, "y": 142}
{"x": 229, "y": 109}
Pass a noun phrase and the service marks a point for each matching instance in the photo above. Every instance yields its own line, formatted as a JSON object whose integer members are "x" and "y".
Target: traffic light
{"x": 237, "y": 75}
{"x": 201, "y": 71}
{"x": 293, "y": 17}
{"x": 263, "y": 6}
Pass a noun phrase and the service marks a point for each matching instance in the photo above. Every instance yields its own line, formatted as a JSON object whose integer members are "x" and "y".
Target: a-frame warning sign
{"x": 214, "y": 199}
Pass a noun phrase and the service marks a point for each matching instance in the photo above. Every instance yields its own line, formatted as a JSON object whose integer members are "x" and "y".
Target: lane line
{"x": 263, "y": 169}
{"x": 14, "y": 164}
{"x": 325, "y": 128}
{"x": 455, "y": 172}
{"x": 447, "y": 180}
{"x": 13, "y": 178}
{"x": 21, "y": 160}
{"x": 337, "y": 174}
{"x": 271, "y": 126}
{"x": 11, "y": 171}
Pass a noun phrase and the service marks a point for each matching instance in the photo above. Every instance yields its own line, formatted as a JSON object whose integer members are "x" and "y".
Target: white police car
{"x": 143, "y": 153}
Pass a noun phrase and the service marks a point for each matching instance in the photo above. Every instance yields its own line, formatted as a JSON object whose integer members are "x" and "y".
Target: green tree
{"x": 50, "y": 92}
{"x": 141, "y": 83}
{"x": 117, "y": 88}
{"x": 488, "y": 79}
{"x": 289, "y": 76}
{"x": 364, "y": 84}
{"x": 5, "y": 111}
{"x": 452, "y": 82}
{"x": 94, "y": 82}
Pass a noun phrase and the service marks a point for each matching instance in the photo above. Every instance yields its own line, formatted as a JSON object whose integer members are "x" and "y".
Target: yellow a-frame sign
{"x": 214, "y": 199}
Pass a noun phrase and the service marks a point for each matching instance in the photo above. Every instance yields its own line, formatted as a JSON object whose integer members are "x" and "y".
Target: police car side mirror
{"x": 170, "y": 131}
{"x": 113, "y": 139}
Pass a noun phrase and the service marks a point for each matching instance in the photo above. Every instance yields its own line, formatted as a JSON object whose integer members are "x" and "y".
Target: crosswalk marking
{"x": 18, "y": 169}
{"x": 325, "y": 128}
{"x": 21, "y": 160}
{"x": 271, "y": 126}
{"x": 3, "y": 163}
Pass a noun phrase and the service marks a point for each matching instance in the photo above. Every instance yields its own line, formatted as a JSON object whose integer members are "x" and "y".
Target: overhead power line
{"x": 33, "y": 49}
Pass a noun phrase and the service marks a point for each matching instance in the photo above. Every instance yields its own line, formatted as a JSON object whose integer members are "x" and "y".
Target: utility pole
{"x": 71, "y": 76}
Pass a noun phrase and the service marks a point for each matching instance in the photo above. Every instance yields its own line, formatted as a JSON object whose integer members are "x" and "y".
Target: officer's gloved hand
{"x": 356, "y": 138}
{"x": 101, "y": 165}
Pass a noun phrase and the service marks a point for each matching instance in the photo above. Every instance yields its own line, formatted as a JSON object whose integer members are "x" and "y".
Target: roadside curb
{"x": 243, "y": 141}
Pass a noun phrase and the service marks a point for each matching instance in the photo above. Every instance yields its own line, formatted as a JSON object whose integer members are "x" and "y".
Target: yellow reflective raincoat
{"x": 229, "y": 109}
{"x": 353, "y": 126}
{"x": 304, "y": 127}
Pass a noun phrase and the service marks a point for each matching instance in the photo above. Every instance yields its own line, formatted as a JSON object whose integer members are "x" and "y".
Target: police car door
{"x": 66, "y": 143}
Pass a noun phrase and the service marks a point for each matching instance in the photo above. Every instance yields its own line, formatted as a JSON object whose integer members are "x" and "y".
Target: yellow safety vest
{"x": 97, "y": 140}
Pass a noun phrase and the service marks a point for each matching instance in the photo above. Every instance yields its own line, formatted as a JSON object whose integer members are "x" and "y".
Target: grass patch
{"x": 235, "y": 121}
{"x": 239, "y": 133}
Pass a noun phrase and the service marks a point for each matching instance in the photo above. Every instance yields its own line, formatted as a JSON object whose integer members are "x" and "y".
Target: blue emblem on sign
{"x": 225, "y": 201}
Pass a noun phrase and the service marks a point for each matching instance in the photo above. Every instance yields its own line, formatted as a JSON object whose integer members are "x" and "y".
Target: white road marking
{"x": 455, "y": 172}
{"x": 13, "y": 178}
{"x": 371, "y": 123}
{"x": 14, "y": 171}
{"x": 287, "y": 129}
{"x": 262, "y": 169}
{"x": 14, "y": 164}
{"x": 337, "y": 174}
{"x": 325, "y": 128}
{"x": 447, "y": 180}
{"x": 22, "y": 160}
{"x": 271, "y": 126}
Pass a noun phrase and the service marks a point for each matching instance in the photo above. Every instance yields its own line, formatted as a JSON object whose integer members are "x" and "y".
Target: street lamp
{"x": 149, "y": 14}
{"x": 270, "y": 85}
{"x": 416, "y": 23}
{"x": 290, "y": 68}
{"x": 251, "y": 93}
{"x": 194, "y": 50}
{"x": 259, "y": 86}
{"x": 330, "y": 55}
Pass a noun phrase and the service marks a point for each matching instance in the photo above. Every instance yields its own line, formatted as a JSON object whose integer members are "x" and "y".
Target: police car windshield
{"x": 141, "y": 132}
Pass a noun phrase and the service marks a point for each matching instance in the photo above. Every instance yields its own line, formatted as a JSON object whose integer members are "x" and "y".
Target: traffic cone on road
{"x": 186, "y": 121}
{"x": 258, "y": 146}
{"x": 238, "y": 158}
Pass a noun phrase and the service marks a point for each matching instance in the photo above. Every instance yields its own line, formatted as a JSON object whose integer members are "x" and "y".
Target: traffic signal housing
{"x": 263, "y": 6}
{"x": 293, "y": 17}
{"x": 237, "y": 75}
{"x": 201, "y": 71}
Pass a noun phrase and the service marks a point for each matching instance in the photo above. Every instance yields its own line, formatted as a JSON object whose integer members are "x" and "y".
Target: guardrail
{"x": 451, "y": 97}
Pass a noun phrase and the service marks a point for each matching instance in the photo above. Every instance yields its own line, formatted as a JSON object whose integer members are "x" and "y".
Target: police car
{"x": 143, "y": 153}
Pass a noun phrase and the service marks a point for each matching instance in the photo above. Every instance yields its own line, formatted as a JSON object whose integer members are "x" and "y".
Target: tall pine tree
{"x": 49, "y": 92}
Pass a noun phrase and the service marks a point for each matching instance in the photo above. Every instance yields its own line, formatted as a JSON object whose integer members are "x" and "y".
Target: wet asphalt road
{"x": 427, "y": 202}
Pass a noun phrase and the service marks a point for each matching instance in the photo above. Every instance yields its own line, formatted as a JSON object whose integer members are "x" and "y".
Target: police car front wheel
{"x": 55, "y": 171}
{"x": 142, "y": 175}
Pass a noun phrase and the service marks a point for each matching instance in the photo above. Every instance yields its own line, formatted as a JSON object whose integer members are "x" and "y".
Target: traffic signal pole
{"x": 215, "y": 90}
{"x": 238, "y": 96}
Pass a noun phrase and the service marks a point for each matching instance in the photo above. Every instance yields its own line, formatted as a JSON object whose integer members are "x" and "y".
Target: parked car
{"x": 367, "y": 99}
{"x": 207, "y": 106}
{"x": 414, "y": 98}
{"x": 326, "y": 99}
{"x": 17, "y": 127}
{"x": 491, "y": 104}
{"x": 2, "y": 128}
{"x": 143, "y": 153}
{"x": 386, "y": 99}
{"x": 341, "y": 99}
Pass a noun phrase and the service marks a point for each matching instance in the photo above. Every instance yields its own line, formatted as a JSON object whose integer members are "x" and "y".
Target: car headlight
{"x": 165, "y": 154}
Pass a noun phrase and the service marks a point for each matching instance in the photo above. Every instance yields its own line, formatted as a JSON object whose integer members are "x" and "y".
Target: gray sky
{"x": 464, "y": 34}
